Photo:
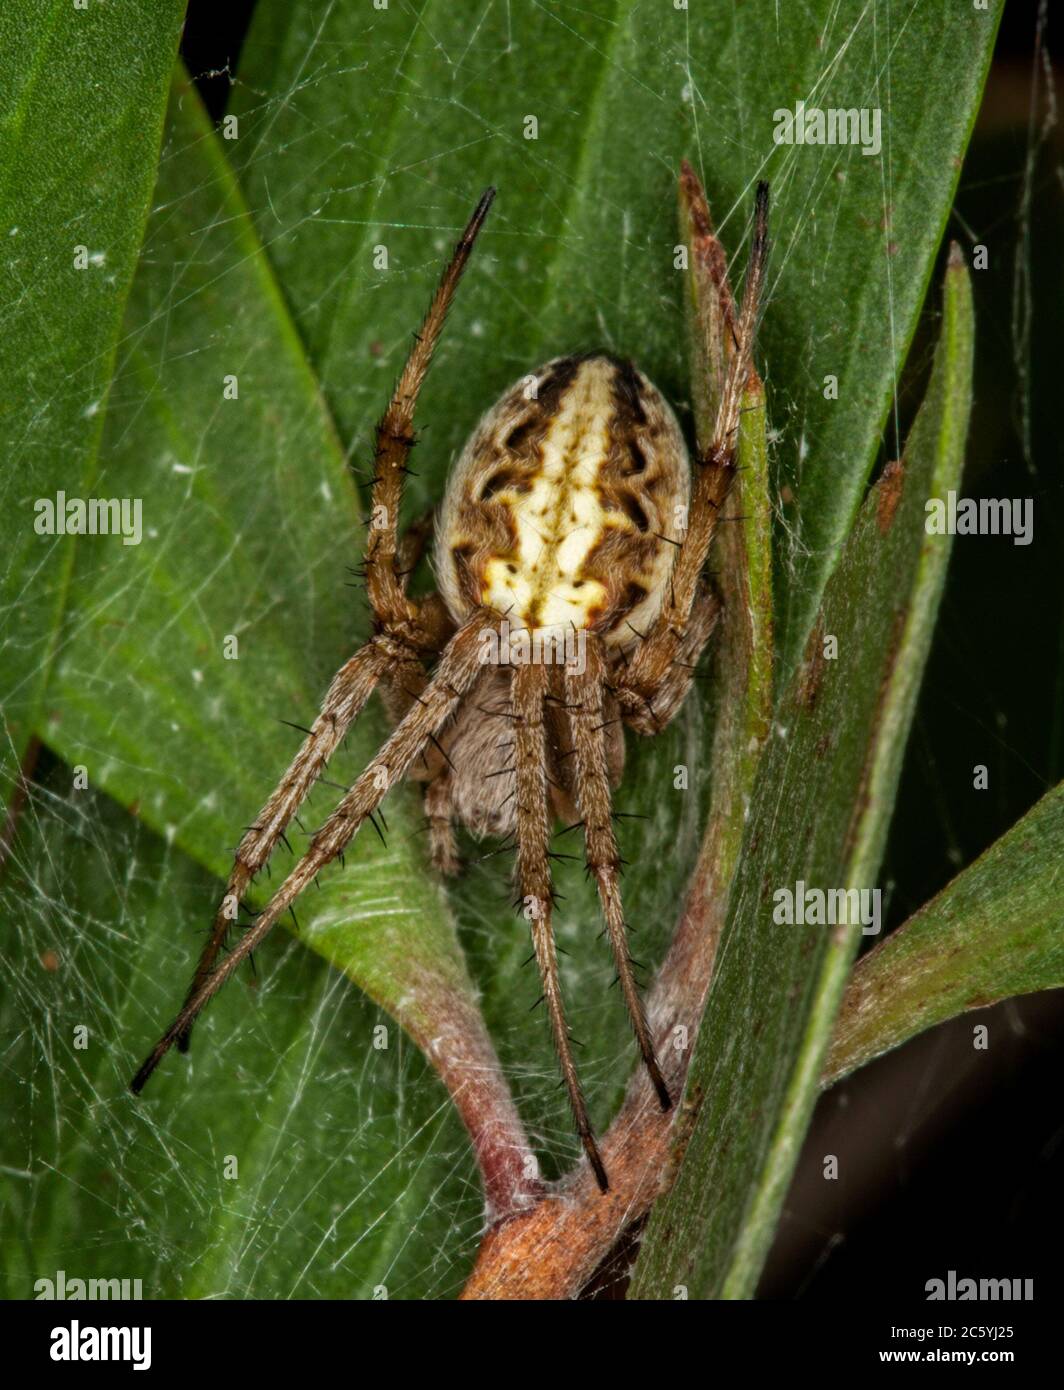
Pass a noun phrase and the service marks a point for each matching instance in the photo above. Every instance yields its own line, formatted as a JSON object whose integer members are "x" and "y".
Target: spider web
{"x": 353, "y": 1176}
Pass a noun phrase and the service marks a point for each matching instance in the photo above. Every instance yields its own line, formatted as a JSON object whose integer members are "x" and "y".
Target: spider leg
{"x": 536, "y": 890}
{"x": 438, "y": 808}
{"x": 403, "y": 683}
{"x": 402, "y": 677}
{"x": 395, "y": 438}
{"x": 458, "y": 670}
{"x": 655, "y": 712}
{"x": 412, "y": 545}
{"x": 714, "y": 473}
{"x": 351, "y": 687}
{"x": 584, "y": 691}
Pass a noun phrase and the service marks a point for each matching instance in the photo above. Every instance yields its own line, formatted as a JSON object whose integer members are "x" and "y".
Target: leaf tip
{"x": 694, "y": 203}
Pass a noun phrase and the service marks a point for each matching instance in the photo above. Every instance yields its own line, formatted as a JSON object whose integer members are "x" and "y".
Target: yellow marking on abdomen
{"x": 561, "y": 518}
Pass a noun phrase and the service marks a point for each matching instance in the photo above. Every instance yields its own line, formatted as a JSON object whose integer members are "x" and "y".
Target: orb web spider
{"x": 572, "y": 512}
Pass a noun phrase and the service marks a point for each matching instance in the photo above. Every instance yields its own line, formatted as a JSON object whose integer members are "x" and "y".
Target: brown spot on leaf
{"x": 888, "y": 494}
{"x": 812, "y": 669}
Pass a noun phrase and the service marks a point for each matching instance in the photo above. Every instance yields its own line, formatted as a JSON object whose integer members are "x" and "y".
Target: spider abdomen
{"x": 565, "y": 506}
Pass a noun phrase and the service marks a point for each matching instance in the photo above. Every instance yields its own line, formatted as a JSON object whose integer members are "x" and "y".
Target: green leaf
{"x": 77, "y": 166}
{"x": 742, "y": 642}
{"x": 250, "y": 523}
{"x": 820, "y": 812}
{"x": 363, "y": 128}
{"x": 992, "y": 933}
{"x": 360, "y": 128}
{"x": 331, "y": 1196}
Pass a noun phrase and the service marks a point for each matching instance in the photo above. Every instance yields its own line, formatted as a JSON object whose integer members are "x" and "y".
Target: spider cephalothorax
{"x": 569, "y": 553}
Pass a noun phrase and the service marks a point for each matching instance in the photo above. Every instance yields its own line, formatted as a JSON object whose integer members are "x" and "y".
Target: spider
{"x": 572, "y": 513}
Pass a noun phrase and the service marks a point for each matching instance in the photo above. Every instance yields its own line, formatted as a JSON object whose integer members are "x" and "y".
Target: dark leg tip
{"x": 661, "y": 1090}
{"x": 597, "y": 1165}
{"x": 160, "y": 1050}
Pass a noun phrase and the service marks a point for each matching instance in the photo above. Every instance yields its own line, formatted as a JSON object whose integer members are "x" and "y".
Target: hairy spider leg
{"x": 536, "y": 890}
{"x": 395, "y": 439}
{"x": 458, "y": 670}
{"x": 584, "y": 700}
{"x": 387, "y": 561}
{"x": 714, "y": 472}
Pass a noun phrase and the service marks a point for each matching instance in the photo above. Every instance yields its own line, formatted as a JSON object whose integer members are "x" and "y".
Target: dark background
{"x": 949, "y": 1158}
